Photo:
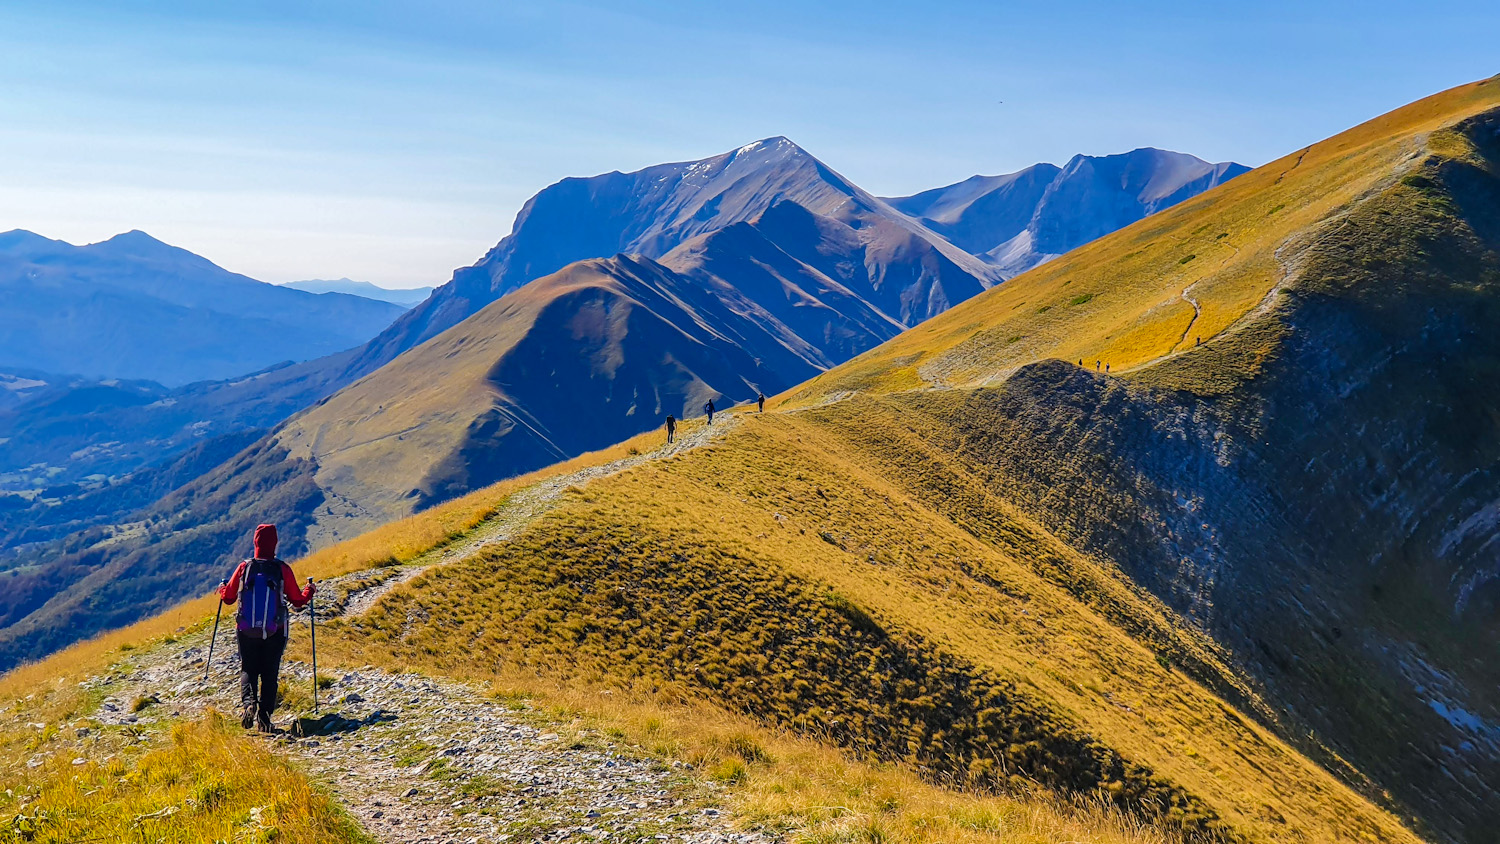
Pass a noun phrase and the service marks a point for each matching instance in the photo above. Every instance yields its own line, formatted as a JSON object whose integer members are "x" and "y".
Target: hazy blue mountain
{"x": 18, "y": 387}
{"x": 406, "y": 297}
{"x": 1019, "y": 220}
{"x": 134, "y": 307}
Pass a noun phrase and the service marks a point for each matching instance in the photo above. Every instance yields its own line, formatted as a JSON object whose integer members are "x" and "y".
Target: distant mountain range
{"x": 1022, "y": 219}
{"x": 406, "y": 297}
{"x": 614, "y": 300}
{"x": 134, "y": 307}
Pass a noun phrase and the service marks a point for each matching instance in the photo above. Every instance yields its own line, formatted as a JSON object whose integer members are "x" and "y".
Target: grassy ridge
{"x": 618, "y": 602}
{"x": 790, "y": 575}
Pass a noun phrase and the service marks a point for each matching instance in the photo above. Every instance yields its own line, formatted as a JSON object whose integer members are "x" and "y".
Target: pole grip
{"x": 208, "y": 664}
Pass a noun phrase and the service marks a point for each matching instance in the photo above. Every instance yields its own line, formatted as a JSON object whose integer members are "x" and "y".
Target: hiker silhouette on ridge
{"x": 708, "y": 407}
{"x": 262, "y": 585}
{"x": 760, "y": 399}
{"x": 671, "y": 428}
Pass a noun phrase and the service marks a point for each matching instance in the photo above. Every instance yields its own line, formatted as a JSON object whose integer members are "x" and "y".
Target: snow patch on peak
{"x": 776, "y": 143}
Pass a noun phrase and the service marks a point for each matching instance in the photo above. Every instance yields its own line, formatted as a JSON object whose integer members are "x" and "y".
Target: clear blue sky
{"x": 392, "y": 142}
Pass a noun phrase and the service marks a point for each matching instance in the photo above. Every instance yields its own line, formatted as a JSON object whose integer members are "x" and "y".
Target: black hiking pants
{"x": 260, "y": 662}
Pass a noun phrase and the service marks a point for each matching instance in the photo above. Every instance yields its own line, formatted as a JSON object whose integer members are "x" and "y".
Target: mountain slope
{"x": 1313, "y": 484}
{"x": 134, "y": 307}
{"x": 569, "y": 362}
{"x": 835, "y": 572}
{"x": 1022, "y": 219}
{"x": 647, "y": 212}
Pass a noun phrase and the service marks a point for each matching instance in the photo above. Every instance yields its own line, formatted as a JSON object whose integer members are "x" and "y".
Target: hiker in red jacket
{"x": 262, "y": 586}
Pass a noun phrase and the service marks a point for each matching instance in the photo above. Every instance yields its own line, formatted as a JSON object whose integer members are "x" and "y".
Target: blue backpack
{"x": 262, "y": 611}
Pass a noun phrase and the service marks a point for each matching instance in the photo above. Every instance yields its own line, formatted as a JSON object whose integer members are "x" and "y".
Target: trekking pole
{"x": 312, "y": 620}
{"x": 209, "y": 664}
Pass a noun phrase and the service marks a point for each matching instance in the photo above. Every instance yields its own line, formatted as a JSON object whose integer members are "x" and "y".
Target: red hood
{"x": 265, "y": 542}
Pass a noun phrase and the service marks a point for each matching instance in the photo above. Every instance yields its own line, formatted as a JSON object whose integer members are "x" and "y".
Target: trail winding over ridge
{"x": 518, "y": 511}
{"x": 417, "y": 760}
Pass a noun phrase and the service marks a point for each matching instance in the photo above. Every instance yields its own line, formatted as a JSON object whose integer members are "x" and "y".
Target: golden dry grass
{"x": 817, "y": 794}
{"x": 203, "y": 780}
{"x": 775, "y": 779}
{"x": 792, "y": 783}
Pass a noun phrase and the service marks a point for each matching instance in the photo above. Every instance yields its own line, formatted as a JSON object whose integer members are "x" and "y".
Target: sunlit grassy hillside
{"x": 1128, "y": 298}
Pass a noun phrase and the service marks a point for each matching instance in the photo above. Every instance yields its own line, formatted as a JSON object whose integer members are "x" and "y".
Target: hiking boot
{"x": 263, "y": 724}
{"x": 247, "y": 716}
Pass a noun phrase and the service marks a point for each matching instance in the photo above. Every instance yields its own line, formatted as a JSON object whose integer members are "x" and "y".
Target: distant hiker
{"x": 708, "y": 407}
{"x": 671, "y": 427}
{"x": 1197, "y": 341}
{"x": 259, "y": 585}
{"x": 1096, "y": 366}
{"x": 1106, "y": 368}
{"x": 1080, "y": 363}
{"x": 760, "y": 399}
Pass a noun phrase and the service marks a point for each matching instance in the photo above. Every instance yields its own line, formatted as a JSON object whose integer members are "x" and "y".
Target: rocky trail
{"x": 422, "y": 761}
{"x": 418, "y": 760}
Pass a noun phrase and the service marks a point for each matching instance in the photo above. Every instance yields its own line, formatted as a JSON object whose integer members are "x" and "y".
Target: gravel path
{"x": 422, "y": 761}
